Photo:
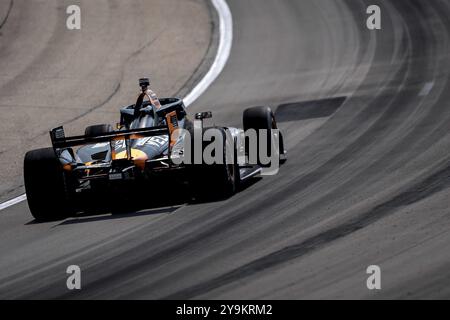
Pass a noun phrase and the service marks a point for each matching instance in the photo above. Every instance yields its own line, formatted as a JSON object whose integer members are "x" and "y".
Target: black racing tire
{"x": 98, "y": 129}
{"x": 257, "y": 118}
{"x": 262, "y": 118}
{"x": 215, "y": 181}
{"x": 45, "y": 186}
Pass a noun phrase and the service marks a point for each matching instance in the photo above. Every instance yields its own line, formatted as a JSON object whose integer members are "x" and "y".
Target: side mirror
{"x": 203, "y": 115}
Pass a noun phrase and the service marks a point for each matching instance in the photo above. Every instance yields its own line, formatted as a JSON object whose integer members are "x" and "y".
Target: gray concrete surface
{"x": 366, "y": 185}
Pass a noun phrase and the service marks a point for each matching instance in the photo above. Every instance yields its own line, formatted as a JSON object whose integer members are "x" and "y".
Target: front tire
{"x": 262, "y": 118}
{"x": 45, "y": 185}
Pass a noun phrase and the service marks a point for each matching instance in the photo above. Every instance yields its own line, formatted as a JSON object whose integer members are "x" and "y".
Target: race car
{"x": 153, "y": 153}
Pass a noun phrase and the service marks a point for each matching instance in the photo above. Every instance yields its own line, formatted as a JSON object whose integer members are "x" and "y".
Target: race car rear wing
{"x": 60, "y": 141}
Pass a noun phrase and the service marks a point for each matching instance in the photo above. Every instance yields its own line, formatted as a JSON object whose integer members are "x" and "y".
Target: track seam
{"x": 11, "y": 3}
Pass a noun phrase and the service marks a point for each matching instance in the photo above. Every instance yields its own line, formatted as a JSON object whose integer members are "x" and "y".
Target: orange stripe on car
{"x": 139, "y": 157}
{"x": 172, "y": 123}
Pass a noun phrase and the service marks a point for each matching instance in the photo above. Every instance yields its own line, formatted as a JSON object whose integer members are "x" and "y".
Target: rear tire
{"x": 215, "y": 181}
{"x": 98, "y": 129}
{"x": 45, "y": 185}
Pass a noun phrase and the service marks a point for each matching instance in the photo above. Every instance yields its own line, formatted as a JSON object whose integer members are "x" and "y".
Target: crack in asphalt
{"x": 11, "y": 3}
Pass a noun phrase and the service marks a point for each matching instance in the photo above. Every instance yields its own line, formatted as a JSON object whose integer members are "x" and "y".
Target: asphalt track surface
{"x": 366, "y": 117}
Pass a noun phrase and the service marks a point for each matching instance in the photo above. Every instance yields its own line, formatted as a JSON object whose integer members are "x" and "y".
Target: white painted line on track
{"x": 222, "y": 55}
{"x": 223, "y": 52}
{"x": 12, "y": 202}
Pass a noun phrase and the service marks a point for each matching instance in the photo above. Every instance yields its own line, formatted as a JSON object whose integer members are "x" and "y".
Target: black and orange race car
{"x": 151, "y": 154}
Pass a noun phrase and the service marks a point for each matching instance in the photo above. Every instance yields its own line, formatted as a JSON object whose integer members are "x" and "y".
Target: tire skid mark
{"x": 235, "y": 219}
{"x": 416, "y": 193}
{"x": 426, "y": 188}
